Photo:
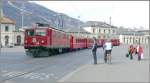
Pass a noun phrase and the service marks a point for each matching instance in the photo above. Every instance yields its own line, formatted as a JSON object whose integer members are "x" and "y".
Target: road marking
{"x": 32, "y": 76}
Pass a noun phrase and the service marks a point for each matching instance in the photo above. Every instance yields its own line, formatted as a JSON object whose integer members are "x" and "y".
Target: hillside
{"x": 35, "y": 13}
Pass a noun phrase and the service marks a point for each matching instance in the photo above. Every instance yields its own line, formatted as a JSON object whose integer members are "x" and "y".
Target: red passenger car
{"x": 115, "y": 42}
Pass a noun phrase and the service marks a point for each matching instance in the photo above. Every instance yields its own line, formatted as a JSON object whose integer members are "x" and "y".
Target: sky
{"x": 123, "y": 13}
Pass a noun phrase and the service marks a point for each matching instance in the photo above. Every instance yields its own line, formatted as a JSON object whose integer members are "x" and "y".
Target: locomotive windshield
{"x": 30, "y": 33}
{"x": 40, "y": 32}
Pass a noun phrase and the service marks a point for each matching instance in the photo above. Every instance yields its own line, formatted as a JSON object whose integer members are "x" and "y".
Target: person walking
{"x": 107, "y": 47}
{"x": 131, "y": 51}
{"x": 94, "y": 49}
{"x": 139, "y": 52}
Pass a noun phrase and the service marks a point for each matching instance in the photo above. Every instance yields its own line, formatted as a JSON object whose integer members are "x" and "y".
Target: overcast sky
{"x": 123, "y": 13}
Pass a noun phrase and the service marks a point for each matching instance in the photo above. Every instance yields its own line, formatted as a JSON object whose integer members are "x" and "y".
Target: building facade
{"x": 102, "y": 30}
{"x": 134, "y": 37}
{"x": 9, "y": 34}
{"x": 126, "y": 36}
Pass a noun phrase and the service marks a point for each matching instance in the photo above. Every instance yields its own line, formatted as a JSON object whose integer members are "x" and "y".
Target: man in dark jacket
{"x": 94, "y": 49}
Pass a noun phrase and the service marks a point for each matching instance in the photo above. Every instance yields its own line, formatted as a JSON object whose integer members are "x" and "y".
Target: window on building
{"x": 6, "y": 40}
{"x": 93, "y": 30}
{"x": 104, "y": 30}
{"x": 130, "y": 39}
{"x": 18, "y": 40}
{"x": 6, "y": 28}
{"x": 109, "y": 31}
{"x": 142, "y": 40}
{"x": 124, "y": 39}
{"x": 113, "y": 31}
{"x": 99, "y": 30}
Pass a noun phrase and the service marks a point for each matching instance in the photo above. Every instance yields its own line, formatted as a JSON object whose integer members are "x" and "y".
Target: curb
{"x": 63, "y": 79}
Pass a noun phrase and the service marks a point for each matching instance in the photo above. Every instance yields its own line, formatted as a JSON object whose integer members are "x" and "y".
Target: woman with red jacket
{"x": 131, "y": 51}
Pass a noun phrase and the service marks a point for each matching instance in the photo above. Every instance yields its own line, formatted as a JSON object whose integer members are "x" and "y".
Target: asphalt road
{"x": 16, "y": 67}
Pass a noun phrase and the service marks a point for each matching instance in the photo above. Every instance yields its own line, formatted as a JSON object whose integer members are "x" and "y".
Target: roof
{"x": 5, "y": 20}
{"x": 97, "y": 24}
{"x": 125, "y": 31}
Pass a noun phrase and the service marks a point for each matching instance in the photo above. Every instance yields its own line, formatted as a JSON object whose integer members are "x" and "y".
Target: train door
{"x": 71, "y": 41}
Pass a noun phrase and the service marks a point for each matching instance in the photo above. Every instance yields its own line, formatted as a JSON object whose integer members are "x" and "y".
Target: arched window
{"x": 18, "y": 40}
{"x": 6, "y": 40}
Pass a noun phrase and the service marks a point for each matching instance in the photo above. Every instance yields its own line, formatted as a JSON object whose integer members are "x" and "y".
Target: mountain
{"x": 35, "y": 13}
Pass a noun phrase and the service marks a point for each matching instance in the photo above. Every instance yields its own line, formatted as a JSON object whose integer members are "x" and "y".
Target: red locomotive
{"x": 44, "y": 40}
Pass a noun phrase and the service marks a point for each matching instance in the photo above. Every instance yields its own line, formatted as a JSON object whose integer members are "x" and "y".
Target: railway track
{"x": 37, "y": 68}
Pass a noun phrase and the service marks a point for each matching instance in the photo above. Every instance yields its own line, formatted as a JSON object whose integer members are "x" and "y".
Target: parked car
{"x": 10, "y": 45}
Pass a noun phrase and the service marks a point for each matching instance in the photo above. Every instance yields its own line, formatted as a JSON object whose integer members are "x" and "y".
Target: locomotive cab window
{"x": 30, "y": 33}
{"x": 41, "y": 32}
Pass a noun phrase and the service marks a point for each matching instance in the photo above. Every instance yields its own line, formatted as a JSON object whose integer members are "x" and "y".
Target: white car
{"x": 10, "y": 45}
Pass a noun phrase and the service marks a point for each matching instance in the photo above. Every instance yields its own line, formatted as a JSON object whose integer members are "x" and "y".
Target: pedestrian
{"x": 131, "y": 51}
{"x": 107, "y": 47}
{"x": 135, "y": 50}
{"x": 94, "y": 49}
{"x": 128, "y": 53}
{"x": 139, "y": 52}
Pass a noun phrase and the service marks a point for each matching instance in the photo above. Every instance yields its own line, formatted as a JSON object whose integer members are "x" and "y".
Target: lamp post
{"x": 22, "y": 13}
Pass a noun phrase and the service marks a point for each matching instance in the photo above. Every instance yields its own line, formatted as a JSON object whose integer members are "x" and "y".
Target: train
{"x": 43, "y": 40}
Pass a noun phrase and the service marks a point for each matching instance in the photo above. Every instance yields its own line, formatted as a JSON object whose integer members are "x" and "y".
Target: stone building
{"x": 134, "y": 37}
{"x": 102, "y": 30}
{"x": 9, "y": 35}
{"x": 126, "y": 36}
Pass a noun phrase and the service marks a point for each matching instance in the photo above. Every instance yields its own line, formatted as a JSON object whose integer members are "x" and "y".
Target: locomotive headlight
{"x": 33, "y": 40}
{"x": 42, "y": 41}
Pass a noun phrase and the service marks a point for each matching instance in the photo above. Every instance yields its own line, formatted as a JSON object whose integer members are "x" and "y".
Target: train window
{"x": 41, "y": 32}
{"x": 30, "y": 33}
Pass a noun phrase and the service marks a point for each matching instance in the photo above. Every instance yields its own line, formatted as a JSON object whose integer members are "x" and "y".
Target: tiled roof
{"x": 5, "y": 20}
